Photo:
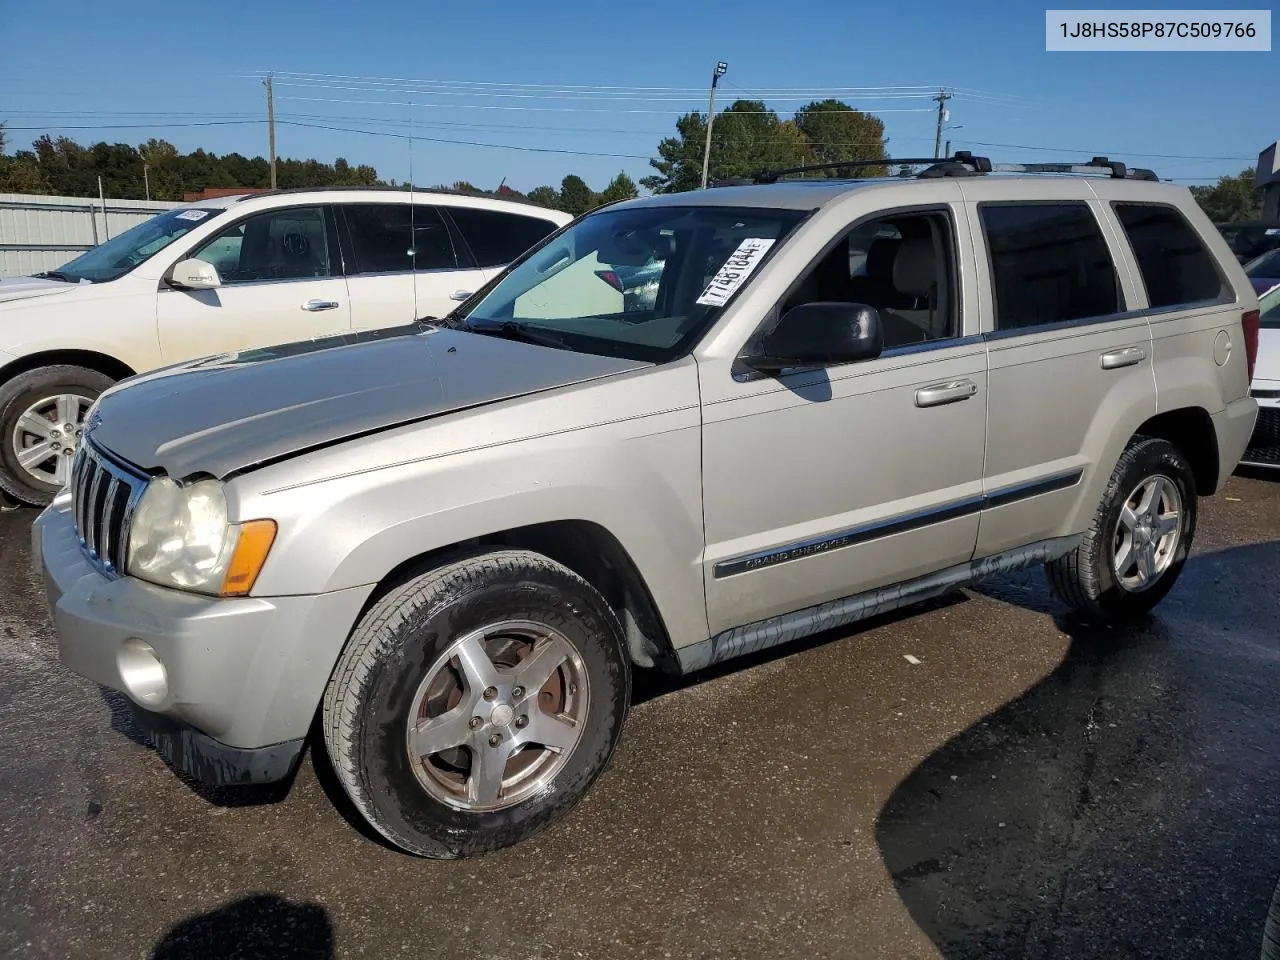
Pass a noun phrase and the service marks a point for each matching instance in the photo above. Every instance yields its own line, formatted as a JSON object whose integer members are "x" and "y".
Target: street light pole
{"x": 721, "y": 67}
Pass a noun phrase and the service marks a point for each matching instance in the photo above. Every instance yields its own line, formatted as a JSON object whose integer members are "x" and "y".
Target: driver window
{"x": 903, "y": 265}
{"x": 290, "y": 244}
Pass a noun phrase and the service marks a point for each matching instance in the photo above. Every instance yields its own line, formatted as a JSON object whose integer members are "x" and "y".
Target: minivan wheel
{"x": 1140, "y": 537}
{"x": 42, "y": 414}
{"x": 476, "y": 703}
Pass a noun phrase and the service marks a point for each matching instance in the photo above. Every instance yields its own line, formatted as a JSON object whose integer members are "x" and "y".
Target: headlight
{"x": 180, "y": 538}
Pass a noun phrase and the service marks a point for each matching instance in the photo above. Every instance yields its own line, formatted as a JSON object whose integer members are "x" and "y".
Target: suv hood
{"x": 228, "y": 413}
{"x": 20, "y": 288}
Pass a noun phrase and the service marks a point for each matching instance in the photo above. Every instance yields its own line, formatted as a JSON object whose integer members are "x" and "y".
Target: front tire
{"x": 1140, "y": 537}
{"x": 42, "y": 413}
{"x": 475, "y": 704}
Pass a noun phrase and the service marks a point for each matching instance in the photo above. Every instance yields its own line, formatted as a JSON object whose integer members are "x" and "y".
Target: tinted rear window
{"x": 398, "y": 237}
{"x": 1175, "y": 266}
{"x": 497, "y": 238}
{"x": 1049, "y": 264}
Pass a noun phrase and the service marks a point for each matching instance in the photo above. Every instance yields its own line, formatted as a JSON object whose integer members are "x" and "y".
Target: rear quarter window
{"x": 1175, "y": 265}
{"x": 495, "y": 237}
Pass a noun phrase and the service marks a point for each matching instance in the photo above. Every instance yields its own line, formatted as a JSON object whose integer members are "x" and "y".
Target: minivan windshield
{"x": 119, "y": 255}
{"x": 642, "y": 283}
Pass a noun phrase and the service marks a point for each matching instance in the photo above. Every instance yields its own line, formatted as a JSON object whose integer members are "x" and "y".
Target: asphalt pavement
{"x": 1023, "y": 786}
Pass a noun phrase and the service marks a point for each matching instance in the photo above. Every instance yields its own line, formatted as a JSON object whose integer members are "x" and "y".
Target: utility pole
{"x": 942, "y": 99}
{"x": 947, "y": 154}
{"x": 146, "y": 182}
{"x": 720, "y": 70}
{"x": 271, "y": 129}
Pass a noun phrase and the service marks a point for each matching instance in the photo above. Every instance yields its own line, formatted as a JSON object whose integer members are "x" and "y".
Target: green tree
{"x": 620, "y": 187}
{"x": 576, "y": 197}
{"x": 746, "y": 138}
{"x": 545, "y": 196}
{"x": 836, "y": 131}
{"x": 1231, "y": 198}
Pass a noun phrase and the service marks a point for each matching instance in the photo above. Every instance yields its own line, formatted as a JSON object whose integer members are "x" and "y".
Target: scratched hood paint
{"x": 228, "y": 413}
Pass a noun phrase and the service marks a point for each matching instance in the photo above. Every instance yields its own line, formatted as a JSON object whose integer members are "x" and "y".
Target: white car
{"x": 1264, "y": 447}
{"x": 224, "y": 275}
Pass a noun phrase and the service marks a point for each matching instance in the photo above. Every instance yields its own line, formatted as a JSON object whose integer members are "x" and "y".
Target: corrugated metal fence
{"x": 42, "y": 233}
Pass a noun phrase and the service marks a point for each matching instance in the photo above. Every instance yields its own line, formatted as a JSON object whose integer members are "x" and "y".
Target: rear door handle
{"x": 460, "y": 294}
{"x": 314, "y": 305}
{"x": 950, "y": 392}
{"x": 1123, "y": 358}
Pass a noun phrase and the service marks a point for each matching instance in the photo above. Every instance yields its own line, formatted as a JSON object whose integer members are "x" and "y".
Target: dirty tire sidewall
{"x": 1085, "y": 578}
{"x": 16, "y": 396}
{"x": 399, "y": 639}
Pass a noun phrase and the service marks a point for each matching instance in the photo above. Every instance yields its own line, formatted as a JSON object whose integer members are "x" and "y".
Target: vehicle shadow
{"x": 1128, "y": 804}
{"x": 258, "y": 926}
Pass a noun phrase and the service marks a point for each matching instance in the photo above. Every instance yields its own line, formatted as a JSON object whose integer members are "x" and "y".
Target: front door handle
{"x": 950, "y": 392}
{"x": 314, "y": 305}
{"x": 1123, "y": 358}
{"x": 460, "y": 294}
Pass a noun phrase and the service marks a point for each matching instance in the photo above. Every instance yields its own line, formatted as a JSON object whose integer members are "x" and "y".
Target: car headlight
{"x": 180, "y": 537}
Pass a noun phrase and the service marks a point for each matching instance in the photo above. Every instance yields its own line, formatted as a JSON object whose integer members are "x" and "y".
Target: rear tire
{"x": 428, "y": 721}
{"x": 35, "y": 408}
{"x": 1139, "y": 539}
{"x": 1271, "y": 935}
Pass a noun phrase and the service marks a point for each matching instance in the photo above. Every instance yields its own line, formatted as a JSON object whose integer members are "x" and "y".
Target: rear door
{"x": 1069, "y": 360}
{"x": 281, "y": 281}
{"x": 402, "y": 263}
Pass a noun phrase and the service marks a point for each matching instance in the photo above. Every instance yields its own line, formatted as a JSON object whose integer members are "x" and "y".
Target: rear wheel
{"x": 42, "y": 414}
{"x": 1140, "y": 537}
{"x": 475, "y": 704}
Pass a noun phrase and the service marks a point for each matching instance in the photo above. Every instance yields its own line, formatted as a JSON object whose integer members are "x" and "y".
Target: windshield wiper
{"x": 514, "y": 330}
{"x": 56, "y": 275}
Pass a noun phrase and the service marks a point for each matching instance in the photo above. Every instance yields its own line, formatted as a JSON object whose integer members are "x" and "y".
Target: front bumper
{"x": 241, "y": 677}
{"x": 1264, "y": 444}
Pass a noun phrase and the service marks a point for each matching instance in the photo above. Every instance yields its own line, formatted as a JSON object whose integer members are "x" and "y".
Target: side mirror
{"x": 819, "y": 335}
{"x": 194, "y": 275}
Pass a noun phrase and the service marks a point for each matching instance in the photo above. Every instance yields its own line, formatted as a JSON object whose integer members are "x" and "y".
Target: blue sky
{"x": 78, "y": 63}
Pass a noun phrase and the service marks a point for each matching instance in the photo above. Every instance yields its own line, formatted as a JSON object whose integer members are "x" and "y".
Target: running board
{"x": 763, "y": 634}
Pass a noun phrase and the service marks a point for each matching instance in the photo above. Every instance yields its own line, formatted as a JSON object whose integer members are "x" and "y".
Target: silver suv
{"x": 450, "y": 545}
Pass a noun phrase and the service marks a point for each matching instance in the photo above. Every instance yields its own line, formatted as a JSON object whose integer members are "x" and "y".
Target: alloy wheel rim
{"x": 497, "y": 716}
{"x": 1148, "y": 532}
{"x": 47, "y": 434}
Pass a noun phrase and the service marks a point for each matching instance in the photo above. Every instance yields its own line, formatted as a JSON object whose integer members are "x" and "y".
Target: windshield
{"x": 1267, "y": 265}
{"x": 1269, "y": 305}
{"x": 119, "y": 255}
{"x": 642, "y": 283}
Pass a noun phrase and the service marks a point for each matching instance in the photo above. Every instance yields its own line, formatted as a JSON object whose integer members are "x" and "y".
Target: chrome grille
{"x": 104, "y": 494}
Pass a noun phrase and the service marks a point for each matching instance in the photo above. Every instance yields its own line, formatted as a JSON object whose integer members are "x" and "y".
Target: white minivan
{"x": 228, "y": 274}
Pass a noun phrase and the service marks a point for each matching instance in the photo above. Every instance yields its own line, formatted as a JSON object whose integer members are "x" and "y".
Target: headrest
{"x": 880, "y": 257}
{"x": 913, "y": 268}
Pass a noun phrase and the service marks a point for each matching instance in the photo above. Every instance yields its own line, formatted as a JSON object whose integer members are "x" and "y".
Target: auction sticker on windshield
{"x": 192, "y": 215}
{"x": 735, "y": 271}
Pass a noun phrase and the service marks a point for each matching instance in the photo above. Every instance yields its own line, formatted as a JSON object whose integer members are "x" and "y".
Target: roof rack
{"x": 961, "y": 164}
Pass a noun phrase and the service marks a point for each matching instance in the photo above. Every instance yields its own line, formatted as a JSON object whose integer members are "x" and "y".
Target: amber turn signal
{"x": 256, "y": 537}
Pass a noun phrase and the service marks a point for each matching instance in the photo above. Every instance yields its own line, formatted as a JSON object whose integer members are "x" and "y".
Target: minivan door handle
{"x": 314, "y": 305}
{"x": 950, "y": 392}
{"x": 1123, "y": 358}
{"x": 460, "y": 294}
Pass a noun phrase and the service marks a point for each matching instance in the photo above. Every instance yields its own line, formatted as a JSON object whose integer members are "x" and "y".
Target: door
{"x": 823, "y": 484}
{"x": 279, "y": 284}
{"x": 402, "y": 264}
{"x": 1070, "y": 367}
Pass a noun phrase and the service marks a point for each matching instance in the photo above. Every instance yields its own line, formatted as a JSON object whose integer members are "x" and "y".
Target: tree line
{"x": 747, "y": 137}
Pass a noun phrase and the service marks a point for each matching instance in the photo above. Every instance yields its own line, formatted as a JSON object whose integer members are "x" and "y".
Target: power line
{"x": 492, "y": 106}
{"x": 133, "y": 126}
{"x": 467, "y": 143}
{"x": 1094, "y": 153}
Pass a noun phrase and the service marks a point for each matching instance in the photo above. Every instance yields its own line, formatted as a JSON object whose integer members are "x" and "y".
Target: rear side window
{"x": 1175, "y": 266}
{"x": 398, "y": 237}
{"x": 497, "y": 238}
{"x": 1049, "y": 264}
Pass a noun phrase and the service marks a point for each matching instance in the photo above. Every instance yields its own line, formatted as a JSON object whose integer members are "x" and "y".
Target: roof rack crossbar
{"x": 1095, "y": 167}
{"x": 772, "y": 176}
{"x": 961, "y": 164}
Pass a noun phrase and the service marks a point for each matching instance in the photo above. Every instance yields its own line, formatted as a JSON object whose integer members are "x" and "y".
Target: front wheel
{"x": 476, "y": 703}
{"x": 42, "y": 414}
{"x": 1140, "y": 537}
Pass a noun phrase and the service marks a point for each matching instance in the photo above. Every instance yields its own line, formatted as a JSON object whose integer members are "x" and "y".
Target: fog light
{"x": 142, "y": 673}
